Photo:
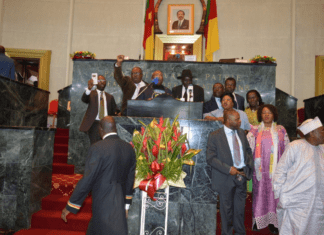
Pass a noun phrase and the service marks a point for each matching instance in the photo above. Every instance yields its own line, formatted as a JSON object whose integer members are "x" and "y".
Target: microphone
{"x": 155, "y": 81}
{"x": 190, "y": 90}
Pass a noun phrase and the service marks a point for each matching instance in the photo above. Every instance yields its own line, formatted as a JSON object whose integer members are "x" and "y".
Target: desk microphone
{"x": 155, "y": 81}
{"x": 190, "y": 90}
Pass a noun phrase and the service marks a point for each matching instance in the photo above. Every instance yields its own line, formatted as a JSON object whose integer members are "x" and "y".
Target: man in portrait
{"x": 181, "y": 23}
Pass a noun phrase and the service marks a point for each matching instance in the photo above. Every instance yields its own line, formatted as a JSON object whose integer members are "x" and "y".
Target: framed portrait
{"x": 181, "y": 19}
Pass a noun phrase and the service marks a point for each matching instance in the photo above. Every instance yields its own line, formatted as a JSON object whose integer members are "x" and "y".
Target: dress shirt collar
{"x": 140, "y": 84}
{"x": 99, "y": 92}
{"x": 109, "y": 134}
{"x": 228, "y": 131}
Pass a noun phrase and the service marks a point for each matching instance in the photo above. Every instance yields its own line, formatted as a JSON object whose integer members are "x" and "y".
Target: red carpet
{"x": 48, "y": 221}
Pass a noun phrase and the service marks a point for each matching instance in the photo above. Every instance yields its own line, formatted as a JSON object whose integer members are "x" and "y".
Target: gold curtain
{"x": 319, "y": 75}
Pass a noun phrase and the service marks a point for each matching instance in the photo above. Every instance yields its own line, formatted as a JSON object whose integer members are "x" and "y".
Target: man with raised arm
{"x": 130, "y": 85}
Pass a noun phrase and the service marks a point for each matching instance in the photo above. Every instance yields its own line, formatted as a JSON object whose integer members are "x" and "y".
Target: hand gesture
{"x": 221, "y": 119}
{"x": 90, "y": 84}
{"x": 234, "y": 171}
{"x": 120, "y": 60}
{"x": 65, "y": 212}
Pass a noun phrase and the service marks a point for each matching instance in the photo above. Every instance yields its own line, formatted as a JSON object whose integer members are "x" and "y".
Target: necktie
{"x": 185, "y": 95}
{"x": 136, "y": 91}
{"x": 236, "y": 148}
{"x": 102, "y": 107}
{"x": 179, "y": 25}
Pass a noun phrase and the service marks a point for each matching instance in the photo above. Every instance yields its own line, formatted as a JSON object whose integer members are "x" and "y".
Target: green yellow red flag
{"x": 211, "y": 30}
{"x": 148, "y": 40}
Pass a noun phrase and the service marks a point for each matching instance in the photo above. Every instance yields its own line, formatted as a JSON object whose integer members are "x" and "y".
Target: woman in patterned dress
{"x": 254, "y": 100}
{"x": 267, "y": 141}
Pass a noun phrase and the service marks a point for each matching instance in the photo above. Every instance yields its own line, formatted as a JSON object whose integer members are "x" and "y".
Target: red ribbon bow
{"x": 153, "y": 182}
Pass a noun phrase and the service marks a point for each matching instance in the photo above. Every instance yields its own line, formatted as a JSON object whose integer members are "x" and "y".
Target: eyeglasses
{"x": 136, "y": 73}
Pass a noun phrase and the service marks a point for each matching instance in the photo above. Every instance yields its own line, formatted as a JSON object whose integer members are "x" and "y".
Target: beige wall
{"x": 111, "y": 27}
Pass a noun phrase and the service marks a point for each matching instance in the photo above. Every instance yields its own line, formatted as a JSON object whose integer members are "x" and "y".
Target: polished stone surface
{"x": 248, "y": 76}
{"x": 287, "y": 110}
{"x": 26, "y": 157}
{"x": 315, "y": 107}
{"x": 63, "y": 114}
{"x": 22, "y": 105}
{"x": 196, "y": 197}
{"x": 191, "y": 210}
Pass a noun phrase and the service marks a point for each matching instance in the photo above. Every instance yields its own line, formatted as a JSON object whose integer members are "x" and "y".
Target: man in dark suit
{"x": 129, "y": 85}
{"x": 195, "y": 93}
{"x": 109, "y": 174}
{"x": 100, "y": 104}
{"x": 7, "y": 65}
{"x": 230, "y": 85}
{"x": 215, "y": 101}
{"x": 150, "y": 91}
{"x": 231, "y": 159}
{"x": 181, "y": 23}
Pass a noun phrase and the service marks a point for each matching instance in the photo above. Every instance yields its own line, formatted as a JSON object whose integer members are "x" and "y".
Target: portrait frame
{"x": 187, "y": 25}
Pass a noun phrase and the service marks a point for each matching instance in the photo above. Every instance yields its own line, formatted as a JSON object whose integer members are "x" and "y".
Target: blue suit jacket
{"x": 210, "y": 105}
{"x": 240, "y": 101}
{"x": 7, "y": 67}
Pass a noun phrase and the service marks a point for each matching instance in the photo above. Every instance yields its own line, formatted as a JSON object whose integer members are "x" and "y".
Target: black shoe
{"x": 255, "y": 228}
{"x": 273, "y": 229}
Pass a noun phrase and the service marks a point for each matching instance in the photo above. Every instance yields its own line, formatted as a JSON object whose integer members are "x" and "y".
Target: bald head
{"x": 107, "y": 125}
{"x": 2, "y": 49}
{"x": 137, "y": 75}
{"x": 232, "y": 119}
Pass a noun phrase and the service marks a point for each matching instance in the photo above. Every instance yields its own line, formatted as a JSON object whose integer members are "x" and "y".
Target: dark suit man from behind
{"x": 7, "y": 65}
{"x": 181, "y": 23}
{"x": 100, "y": 104}
{"x": 215, "y": 101}
{"x": 109, "y": 174}
{"x": 195, "y": 93}
{"x": 129, "y": 85}
{"x": 152, "y": 90}
{"x": 230, "y": 156}
{"x": 230, "y": 85}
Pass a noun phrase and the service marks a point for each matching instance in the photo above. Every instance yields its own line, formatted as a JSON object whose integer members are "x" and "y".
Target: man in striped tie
{"x": 100, "y": 104}
{"x": 231, "y": 159}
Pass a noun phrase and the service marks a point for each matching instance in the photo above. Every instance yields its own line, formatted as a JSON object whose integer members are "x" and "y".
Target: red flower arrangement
{"x": 161, "y": 151}
{"x": 263, "y": 59}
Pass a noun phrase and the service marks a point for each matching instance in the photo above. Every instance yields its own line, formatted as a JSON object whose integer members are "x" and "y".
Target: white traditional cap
{"x": 310, "y": 125}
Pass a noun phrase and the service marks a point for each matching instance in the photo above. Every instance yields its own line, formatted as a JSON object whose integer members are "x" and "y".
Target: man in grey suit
{"x": 230, "y": 156}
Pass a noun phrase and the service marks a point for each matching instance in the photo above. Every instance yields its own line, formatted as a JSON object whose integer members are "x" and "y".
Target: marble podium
{"x": 25, "y": 173}
{"x": 26, "y": 153}
{"x": 191, "y": 210}
{"x": 248, "y": 76}
{"x": 22, "y": 105}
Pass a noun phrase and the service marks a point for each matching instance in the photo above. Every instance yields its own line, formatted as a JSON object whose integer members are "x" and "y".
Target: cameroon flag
{"x": 211, "y": 30}
{"x": 148, "y": 41}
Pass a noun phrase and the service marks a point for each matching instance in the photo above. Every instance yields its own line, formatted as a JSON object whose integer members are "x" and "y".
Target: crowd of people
{"x": 250, "y": 152}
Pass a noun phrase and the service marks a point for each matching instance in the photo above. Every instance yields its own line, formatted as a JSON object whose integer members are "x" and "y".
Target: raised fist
{"x": 120, "y": 60}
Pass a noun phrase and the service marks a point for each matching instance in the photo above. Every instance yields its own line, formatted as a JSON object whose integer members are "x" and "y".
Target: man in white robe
{"x": 299, "y": 183}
